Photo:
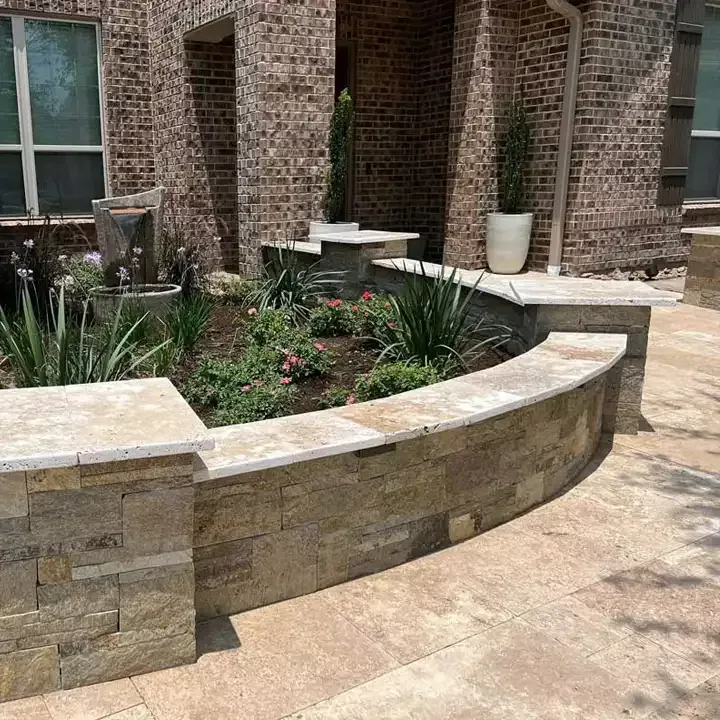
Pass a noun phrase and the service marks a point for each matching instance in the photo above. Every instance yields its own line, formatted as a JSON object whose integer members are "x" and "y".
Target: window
{"x": 51, "y": 149}
{"x": 703, "y": 181}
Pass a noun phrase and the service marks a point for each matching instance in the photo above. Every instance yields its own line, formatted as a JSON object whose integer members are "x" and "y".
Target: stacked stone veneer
{"x": 266, "y": 536}
{"x": 96, "y": 575}
{"x": 534, "y": 322}
{"x": 702, "y": 285}
{"x": 623, "y": 396}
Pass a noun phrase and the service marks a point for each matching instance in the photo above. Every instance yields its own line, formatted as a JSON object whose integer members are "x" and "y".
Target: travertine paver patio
{"x": 603, "y": 604}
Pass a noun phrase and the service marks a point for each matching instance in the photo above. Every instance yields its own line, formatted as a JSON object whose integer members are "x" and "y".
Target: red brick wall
{"x": 212, "y": 197}
{"x": 540, "y": 80}
{"x": 383, "y": 36}
{"x": 434, "y": 55}
{"x": 403, "y": 62}
{"x": 613, "y": 218}
{"x": 433, "y": 79}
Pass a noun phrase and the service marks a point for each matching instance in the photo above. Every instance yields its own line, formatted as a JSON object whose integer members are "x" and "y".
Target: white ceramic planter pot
{"x": 155, "y": 299}
{"x": 318, "y": 229}
{"x": 508, "y": 242}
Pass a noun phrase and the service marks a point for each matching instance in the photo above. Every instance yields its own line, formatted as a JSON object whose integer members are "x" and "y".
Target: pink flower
{"x": 286, "y": 366}
{"x": 392, "y": 325}
{"x": 351, "y": 400}
{"x": 252, "y": 312}
{"x": 355, "y": 308}
{"x": 319, "y": 346}
{"x": 285, "y": 381}
{"x": 246, "y": 388}
{"x": 388, "y": 305}
{"x": 367, "y": 296}
{"x": 334, "y": 303}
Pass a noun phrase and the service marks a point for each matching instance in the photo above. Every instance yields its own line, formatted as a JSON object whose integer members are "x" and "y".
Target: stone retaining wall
{"x": 266, "y": 536}
{"x": 534, "y": 322}
{"x": 96, "y": 575}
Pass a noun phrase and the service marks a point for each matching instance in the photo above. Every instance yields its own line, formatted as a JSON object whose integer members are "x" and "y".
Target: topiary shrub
{"x": 516, "y": 150}
{"x": 340, "y": 134}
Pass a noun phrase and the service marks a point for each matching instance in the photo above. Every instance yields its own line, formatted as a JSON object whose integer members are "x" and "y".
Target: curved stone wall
{"x": 289, "y": 506}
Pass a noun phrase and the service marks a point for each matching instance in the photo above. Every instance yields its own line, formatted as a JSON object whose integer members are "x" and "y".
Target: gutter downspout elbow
{"x": 567, "y": 131}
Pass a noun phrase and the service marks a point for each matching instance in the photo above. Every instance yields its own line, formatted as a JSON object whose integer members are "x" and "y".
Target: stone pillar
{"x": 482, "y": 86}
{"x": 355, "y": 259}
{"x": 96, "y": 573}
{"x": 702, "y": 286}
{"x": 285, "y": 68}
{"x": 623, "y": 393}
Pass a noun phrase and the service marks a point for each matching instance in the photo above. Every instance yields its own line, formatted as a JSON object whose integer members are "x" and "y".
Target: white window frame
{"x": 27, "y": 147}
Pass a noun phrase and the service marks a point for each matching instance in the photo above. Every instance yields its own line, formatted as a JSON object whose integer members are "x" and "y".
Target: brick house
{"x": 227, "y": 104}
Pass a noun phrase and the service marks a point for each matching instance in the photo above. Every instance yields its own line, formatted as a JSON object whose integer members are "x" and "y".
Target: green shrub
{"x": 375, "y": 313}
{"x": 214, "y": 380}
{"x": 364, "y": 317}
{"x": 334, "y": 397}
{"x": 188, "y": 320}
{"x": 290, "y": 351}
{"x": 291, "y": 287}
{"x": 516, "y": 150}
{"x": 235, "y": 290}
{"x": 393, "y": 378}
{"x": 333, "y": 319}
{"x": 258, "y": 402}
{"x": 82, "y": 273}
{"x": 268, "y": 326}
{"x": 240, "y": 392}
{"x": 432, "y": 325}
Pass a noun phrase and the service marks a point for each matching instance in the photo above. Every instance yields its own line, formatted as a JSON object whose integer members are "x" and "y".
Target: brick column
{"x": 613, "y": 216}
{"x": 482, "y": 86}
{"x": 285, "y": 66}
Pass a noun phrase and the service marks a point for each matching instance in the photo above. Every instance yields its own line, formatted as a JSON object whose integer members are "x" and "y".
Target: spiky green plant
{"x": 434, "y": 325}
{"x": 187, "y": 322}
{"x": 516, "y": 149}
{"x": 65, "y": 355}
{"x": 291, "y": 287}
{"x": 340, "y": 136}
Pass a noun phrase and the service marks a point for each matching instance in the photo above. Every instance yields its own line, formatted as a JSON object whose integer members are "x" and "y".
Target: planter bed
{"x": 350, "y": 356}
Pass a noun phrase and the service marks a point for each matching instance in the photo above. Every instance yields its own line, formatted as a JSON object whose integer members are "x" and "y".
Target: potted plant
{"x": 508, "y": 231}
{"x": 132, "y": 277}
{"x": 340, "y": 136}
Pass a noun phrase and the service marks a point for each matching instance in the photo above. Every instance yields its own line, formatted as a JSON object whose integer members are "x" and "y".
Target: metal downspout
{"x": 567, "y": 131}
